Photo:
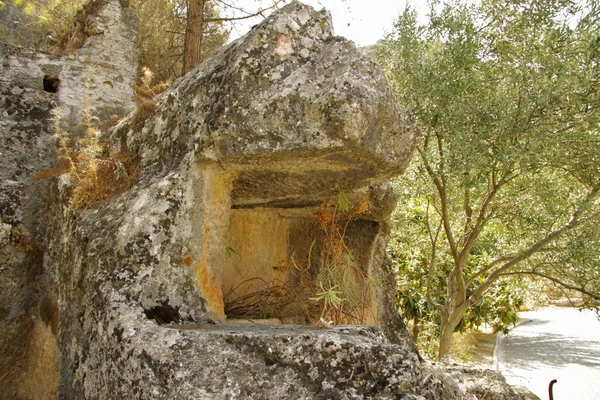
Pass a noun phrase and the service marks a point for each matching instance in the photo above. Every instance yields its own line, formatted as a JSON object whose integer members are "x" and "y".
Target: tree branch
{"x": 432, "y": 260}
{"x": 582, "y": 290}
{"x": 249, "y": 15}
{"x": 487, "y": 268}
{"x": 467, "y": 202}
{"x": 479, "y": 222}
{"x": 541, "y": 244}
{"x": 441, "y": 186}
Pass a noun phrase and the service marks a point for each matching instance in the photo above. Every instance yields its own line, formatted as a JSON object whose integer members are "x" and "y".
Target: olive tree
{"x": 506, "y": 178}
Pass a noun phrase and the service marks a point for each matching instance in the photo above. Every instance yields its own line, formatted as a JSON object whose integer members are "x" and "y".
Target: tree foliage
{"x": 163, "y": 25}
{"x": 37, "y": 23}
{"x": 507, "y": 174}
{"x": 47, "y": 24}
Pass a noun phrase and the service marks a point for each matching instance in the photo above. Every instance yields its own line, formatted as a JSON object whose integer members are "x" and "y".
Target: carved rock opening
{"x": 164, "y": 313}
{"x": 275, "y": 260}
{"x": 263, "y": 244}
{"x": 51, "y": 84}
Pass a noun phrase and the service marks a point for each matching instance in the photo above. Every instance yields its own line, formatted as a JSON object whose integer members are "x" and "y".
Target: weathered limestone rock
{"x": 99, "y": 75}
{"x": 13, "y": 22}
{"x": 281, "y": 119}
{"x": 31, "y": 85}
{"x": 471, "y": 383}
{"x": 486, "y": 384}
{"x": 239, "y": 153}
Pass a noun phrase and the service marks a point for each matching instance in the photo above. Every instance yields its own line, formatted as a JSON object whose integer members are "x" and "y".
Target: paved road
{"x": 553, "y": 343}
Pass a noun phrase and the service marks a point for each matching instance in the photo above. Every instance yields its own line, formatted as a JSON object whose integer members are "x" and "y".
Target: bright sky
{"x": 363, "y": 21}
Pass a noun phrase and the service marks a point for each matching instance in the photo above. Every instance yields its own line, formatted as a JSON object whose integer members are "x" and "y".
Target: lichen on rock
{"x": 253, "y": 140}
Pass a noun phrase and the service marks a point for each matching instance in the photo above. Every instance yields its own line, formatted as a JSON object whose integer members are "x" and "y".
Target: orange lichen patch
{"x": 216, "y": 201}
{"x": 188, "y": 261}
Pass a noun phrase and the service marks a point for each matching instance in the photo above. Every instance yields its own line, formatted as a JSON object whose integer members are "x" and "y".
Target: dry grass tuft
{"x": 97, "y": 173}
{"x": 96, "y": 180}
{"x": 143, "y": 109}
{"x": 146, "y": 93}
{"x": 110, "y": 176}
{"x": 258, "y": 299}
{"x": 473, "y": 346}
{"x": 62, "y": 167}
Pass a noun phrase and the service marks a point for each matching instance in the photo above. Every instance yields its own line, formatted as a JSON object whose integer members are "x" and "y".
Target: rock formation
{"x": 100, "y": 74}
{"x": 239, "y": 155}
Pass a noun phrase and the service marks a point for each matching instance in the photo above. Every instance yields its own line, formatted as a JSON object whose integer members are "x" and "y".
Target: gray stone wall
{"x": 99, "y": 76}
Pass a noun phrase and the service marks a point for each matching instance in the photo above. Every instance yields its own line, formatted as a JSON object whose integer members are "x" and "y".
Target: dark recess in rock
{"x": 164, "y": 313}
{"x": 51, "y": 84}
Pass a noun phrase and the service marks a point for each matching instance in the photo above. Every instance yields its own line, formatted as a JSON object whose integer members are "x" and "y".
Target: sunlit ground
{"x": 474, "y": 347}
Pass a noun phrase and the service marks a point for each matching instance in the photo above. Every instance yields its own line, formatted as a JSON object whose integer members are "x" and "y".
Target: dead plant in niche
{"x": 257, "y": 298}
{"x": 341, "y": 287}
{"x": 328, "y": 288}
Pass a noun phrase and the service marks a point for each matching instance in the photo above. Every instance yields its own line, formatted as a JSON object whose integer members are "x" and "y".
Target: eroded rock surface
{"x": 31, "y": 86}
{"x": 470, "y": 383}
{"x": 100, "y": 75}
{"x": 277, "y": 122}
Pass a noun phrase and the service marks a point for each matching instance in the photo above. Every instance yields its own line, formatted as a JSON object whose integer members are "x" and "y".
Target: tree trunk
{"x": 445, "y": 340}
{"x": 414, "y": 331}
{"x": 194, "y": 33}
{"x": 449, "y": 324}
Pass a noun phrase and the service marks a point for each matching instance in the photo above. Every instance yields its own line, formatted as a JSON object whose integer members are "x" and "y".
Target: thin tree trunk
{"x": 448, "y": 326}
{"x": 445, "y": 340}
{"x": 414, "y": 332}
{"x": 194, "y": 33}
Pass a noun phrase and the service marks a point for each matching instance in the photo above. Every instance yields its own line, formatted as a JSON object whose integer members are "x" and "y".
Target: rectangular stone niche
{"x": 261, "y": 260}
{"x": 273, "y": 259}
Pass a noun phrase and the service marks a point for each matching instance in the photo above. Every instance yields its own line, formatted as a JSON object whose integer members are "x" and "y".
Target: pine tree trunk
{"x": 194, "y": 32}
{"x": 414, "y": 332}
